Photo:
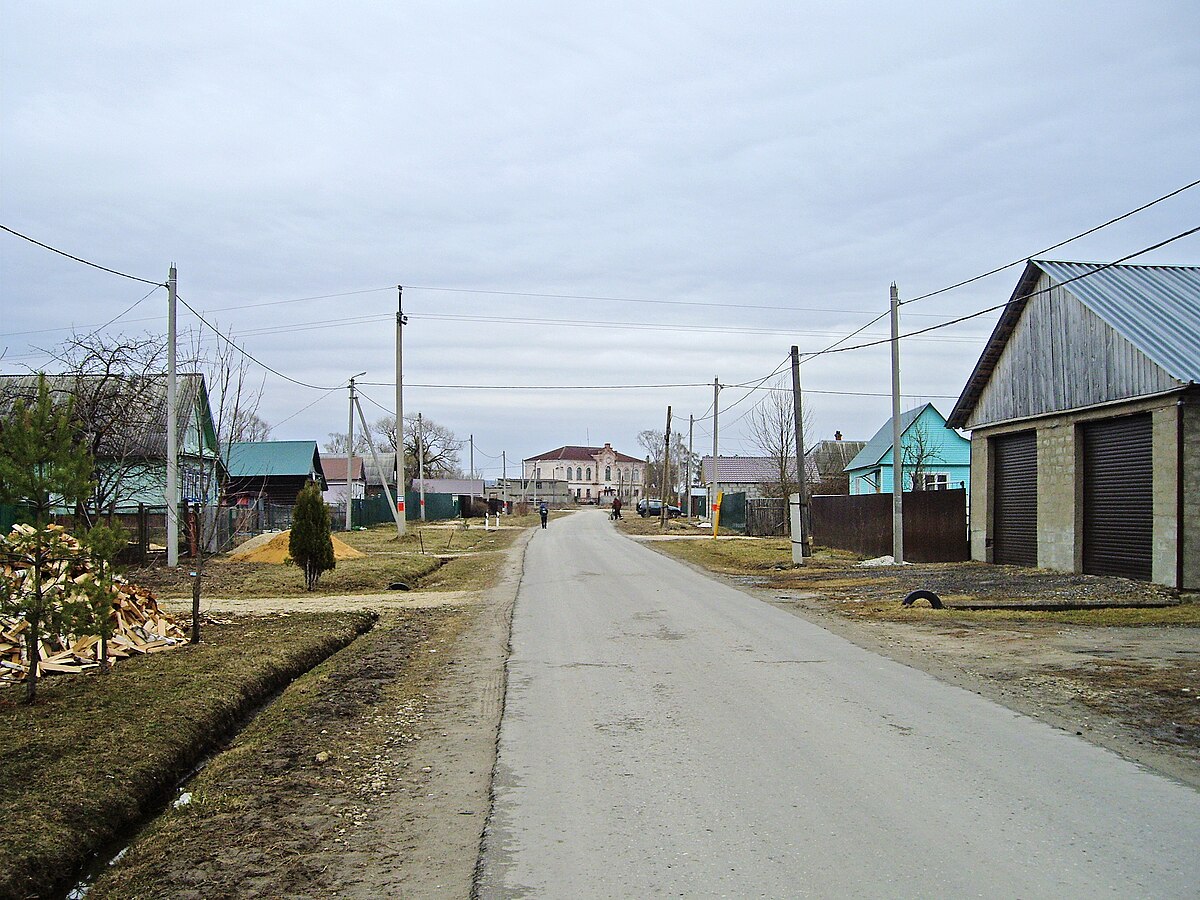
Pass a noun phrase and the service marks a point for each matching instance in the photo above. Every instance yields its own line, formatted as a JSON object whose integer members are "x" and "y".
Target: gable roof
{"x": 1155, "y": 308}
{"x": 263, "y": 459}
{"x": 574, "y": 452}
{"x": 334, "y": 468}
{"x": 138, "y": 402}
{"x": 744, "y": 469}
{"x": 830, "y": 458}
{"x": 880, "y": 445}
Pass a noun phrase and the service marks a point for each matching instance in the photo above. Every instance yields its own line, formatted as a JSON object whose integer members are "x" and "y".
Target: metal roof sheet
{"x": 1155, "y": 308}
{"x": 250, "y": 459}
{"x": 881, "y": 444}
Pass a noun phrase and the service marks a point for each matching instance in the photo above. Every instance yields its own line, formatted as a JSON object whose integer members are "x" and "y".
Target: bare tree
{"x": 920, "y": 448}
{"x": 772, "y": 423}
{"x": 651, "y": 440}
{"x": 336, "y": 444}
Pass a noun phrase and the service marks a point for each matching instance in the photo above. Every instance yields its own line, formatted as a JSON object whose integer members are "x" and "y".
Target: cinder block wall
{"x": 1057, "y": 494}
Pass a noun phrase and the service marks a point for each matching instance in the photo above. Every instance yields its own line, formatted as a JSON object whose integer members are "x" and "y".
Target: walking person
{"x": 616, "y": 506}
{"x": 544, "y": 512}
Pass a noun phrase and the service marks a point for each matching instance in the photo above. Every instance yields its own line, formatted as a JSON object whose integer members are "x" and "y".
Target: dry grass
{"x": 412, "y": 559}
{"x": 97, "y": 752}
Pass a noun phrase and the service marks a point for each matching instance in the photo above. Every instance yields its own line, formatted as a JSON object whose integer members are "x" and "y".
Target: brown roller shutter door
{"x": 1014, "y": 507}
{"x": 1118, "y": 511}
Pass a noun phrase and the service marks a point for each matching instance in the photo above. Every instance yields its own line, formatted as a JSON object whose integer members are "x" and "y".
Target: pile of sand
{"x": 275, "y": 550}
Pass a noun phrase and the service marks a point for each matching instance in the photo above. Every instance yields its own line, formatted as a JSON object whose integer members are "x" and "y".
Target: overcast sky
{"x": 579, "y": 196}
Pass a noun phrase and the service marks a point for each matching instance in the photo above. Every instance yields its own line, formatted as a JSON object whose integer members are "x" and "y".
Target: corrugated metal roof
{"x": 251, "y": 459}
{"x": 881, "y": 444}
{"x": 1155, "y": 308}
{"x": 744, "y": 469}
{"x": 574, "y": 452}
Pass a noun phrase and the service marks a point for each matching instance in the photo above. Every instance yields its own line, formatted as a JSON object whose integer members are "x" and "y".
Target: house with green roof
{"x": 933, "y": 456}
{"x": 272, "y": 471}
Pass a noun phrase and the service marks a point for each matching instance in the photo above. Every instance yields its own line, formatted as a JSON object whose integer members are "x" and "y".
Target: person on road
{"x": 544, "y": 512}
{"x": 616, "y": 514}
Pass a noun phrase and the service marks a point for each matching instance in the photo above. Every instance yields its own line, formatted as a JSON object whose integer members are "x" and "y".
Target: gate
{"x": 935, "y": 524}
{"x": 766, "y": 517}
{"x": 1014, "y": 507}
{"x": 1118, "y": 513}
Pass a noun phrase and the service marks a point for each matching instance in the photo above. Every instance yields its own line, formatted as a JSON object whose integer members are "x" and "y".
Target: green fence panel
{"x": 733, "y": 511}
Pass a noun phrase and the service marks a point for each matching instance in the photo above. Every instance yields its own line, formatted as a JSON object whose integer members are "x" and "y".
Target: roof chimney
{"x": 837, "y": 435}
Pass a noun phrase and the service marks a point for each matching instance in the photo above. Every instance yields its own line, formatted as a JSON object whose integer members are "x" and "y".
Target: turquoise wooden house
{"x": 933, "y": 455}
{"x": 122, "y": 421}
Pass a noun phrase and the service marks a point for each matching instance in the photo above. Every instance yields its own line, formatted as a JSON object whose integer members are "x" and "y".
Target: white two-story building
{"x": 592, "y": 474}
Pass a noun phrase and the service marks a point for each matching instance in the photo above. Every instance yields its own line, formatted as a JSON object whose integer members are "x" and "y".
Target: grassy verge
{"x": 266, "y": 816}
{"x": 97, "y": 752}
{"x": 411, "y": 559}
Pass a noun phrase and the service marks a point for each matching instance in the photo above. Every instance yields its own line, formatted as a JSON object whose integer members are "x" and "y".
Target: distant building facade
{"x": 595, "y": 474}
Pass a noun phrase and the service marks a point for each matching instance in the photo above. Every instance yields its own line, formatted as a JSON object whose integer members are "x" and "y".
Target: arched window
{"x": 636, "y": 475}
{"x": 589, "y": 477}
{"x": 578, "y": 473}
{"x": 608, "y": 473}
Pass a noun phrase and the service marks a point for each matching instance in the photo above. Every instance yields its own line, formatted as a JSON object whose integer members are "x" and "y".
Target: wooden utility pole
{"x": 350, "y": 460}
{"x": 687, "y": 480}
{"x": 715, "y": 493}
{"x": 897, "y": 454}
{"x": 801, "y": 475}
{"x": 421, "y": 460}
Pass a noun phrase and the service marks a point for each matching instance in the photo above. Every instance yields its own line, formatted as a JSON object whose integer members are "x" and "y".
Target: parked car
{"x": 651, "y": 506}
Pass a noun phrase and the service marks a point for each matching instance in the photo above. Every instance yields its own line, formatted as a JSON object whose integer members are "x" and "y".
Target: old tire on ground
{"x": 935, "y": 602}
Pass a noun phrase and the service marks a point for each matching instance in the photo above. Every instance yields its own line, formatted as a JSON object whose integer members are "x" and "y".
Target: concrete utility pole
{"x": 712, "y": 500}
{"x": 801, "y": 475}
{"x": 350, "y": 460}
{"x": 421, "y": 460}
{"x": 472, "y": 439}
{"x": 401, "y": 524}
{"x": 171, "y": 495}
{"x": 687, "y": 478}
{"x": 897, "y": 454}
{"x": 666, "y": 489}
{"x": 375, "y": 456}
{"x": 504, "y": 478}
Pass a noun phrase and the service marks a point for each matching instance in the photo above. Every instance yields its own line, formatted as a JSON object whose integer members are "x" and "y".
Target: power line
{"x": 307, "y": 407}
{"x": 80, "y": 259}
{"x": 1082, "y": 234}
{"x": 1029, "y": 296}
{"x": 254, "y": 359}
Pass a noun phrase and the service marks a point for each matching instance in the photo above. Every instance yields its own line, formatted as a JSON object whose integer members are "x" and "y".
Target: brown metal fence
{"x": 935, "y": 524}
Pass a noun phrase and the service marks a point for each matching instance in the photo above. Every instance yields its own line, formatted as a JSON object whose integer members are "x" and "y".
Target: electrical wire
{"x": 307, "y": 407}
{"x": 1025, "y": 297}
{"x": 1038, "y": 253}
{"x": 80, "y": 259}
{"x": 254, "y": 359}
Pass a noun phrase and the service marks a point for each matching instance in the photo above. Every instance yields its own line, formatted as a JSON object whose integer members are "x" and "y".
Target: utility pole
{"x": 350, "y": 460}
{"x": 897, "y": 455}
{"x": 666, "y": 488}
{"x": 504, "y": 478}
{"x": 687, "y": 479}
{"x": 801, "y": 475}
{"x": 712, "y": 500}
{"x": 401, "y": 524}
{"x": 472, "y": 438}
{"x": 172, "y": 491}
{"x": 375, "y": 457}
{"x": 421, "y": 460}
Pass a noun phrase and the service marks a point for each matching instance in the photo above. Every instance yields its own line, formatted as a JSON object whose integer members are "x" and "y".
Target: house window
{"x": 589, "y": 477}
{"x": 935, "y": 481}
{"x": 608, "y": 473}
{"x": 589, "y": 490}
{"x": 637, "y": 476}
{"x": 578, "y": 473}
{"x": 578, "y": 492}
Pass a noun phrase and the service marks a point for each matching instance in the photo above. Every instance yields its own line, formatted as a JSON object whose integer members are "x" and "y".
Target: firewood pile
{"x": 137, "y": 626}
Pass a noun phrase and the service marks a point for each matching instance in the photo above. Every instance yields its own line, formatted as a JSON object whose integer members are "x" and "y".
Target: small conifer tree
{"x": 310, "y": 544}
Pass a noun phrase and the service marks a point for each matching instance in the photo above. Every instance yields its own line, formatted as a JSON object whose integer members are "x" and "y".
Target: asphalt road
{"x": 666, "y": 735}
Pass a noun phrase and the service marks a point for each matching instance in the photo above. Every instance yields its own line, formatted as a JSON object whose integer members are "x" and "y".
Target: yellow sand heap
{"x": 275, "y": 550}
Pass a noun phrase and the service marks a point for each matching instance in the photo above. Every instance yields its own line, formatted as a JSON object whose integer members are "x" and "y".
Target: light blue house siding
{"x": 941, "y": 453}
